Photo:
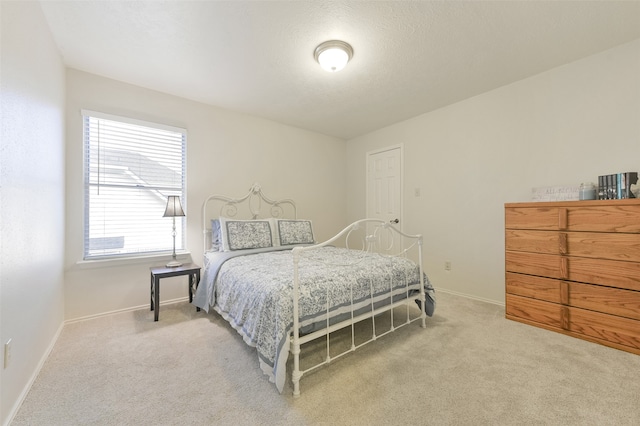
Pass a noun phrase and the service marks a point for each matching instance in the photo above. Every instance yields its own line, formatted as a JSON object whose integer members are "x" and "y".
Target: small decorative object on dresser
{"x": 587, "y": 191}
{"x": 574, "y": 268}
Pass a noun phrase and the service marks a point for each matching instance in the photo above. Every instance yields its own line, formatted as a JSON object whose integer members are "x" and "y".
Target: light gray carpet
{"x": 470, "y": 366}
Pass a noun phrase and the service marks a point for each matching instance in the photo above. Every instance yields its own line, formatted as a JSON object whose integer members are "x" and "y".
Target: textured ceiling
{"x": 256, "y": 57}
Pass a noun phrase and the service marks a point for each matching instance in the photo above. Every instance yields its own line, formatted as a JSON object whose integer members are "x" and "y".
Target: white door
{"x": 384, "y": 185}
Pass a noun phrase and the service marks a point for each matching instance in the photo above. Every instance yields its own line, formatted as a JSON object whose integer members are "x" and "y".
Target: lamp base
{"x": 173, "y": 264}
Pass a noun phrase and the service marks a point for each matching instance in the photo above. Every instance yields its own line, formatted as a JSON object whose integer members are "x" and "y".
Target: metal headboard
{"x": 252, "y": 202}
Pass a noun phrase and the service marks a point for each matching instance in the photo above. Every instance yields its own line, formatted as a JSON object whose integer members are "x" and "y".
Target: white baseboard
{"x": 117, "y": 311}
{"x": 469, "y": 296}
{"x": 34, "y": 376}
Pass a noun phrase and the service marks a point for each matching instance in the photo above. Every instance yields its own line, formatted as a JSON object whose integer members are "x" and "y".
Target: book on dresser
{"x": 616, "y": 186}
{"x": 574, "y": 267}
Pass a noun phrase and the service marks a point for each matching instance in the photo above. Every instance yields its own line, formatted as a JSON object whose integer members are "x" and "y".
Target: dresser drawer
{"x": 533, "y": 241}
{"x": 617, "y": 216}
{"x": 542, "y": 265}
{"x": 611, "y": 273}
{"x": 601, "y": 245}
{"x": 614, "y": 301}
{"x": 585, "y": 244}
{"x": 532, "y": 310}
{"x": 532, "y": 218}
{"x": 535, "y": 287}
{"x": 604, "y": 327}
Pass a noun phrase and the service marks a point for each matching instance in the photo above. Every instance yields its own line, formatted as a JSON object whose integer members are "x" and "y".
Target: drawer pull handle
{"x": 564, "y": 292}
{"x": 563, "y": 243}
{"x": 565, "y": 319}
{"x": 564, "y": 268}
{"x": 562, "y": 218}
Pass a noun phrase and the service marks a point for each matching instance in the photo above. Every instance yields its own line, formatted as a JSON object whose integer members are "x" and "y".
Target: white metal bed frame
{"x": 373, "y": 228}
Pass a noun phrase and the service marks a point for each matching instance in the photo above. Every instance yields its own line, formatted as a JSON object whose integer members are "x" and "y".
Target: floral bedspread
{"x": 253, "y": 293}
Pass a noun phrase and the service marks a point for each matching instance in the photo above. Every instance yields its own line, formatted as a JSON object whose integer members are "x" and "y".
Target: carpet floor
{"x": 470, "y": 366}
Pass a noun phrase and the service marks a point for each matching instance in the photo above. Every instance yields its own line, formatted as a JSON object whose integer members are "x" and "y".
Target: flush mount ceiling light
{"x": 333, "y": 55}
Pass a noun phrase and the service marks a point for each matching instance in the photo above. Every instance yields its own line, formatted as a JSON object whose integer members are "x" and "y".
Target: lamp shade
{"x": 174, "y": 208}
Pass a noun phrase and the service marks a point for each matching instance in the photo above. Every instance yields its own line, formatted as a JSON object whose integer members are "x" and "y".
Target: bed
{"x": 268, "y": 277}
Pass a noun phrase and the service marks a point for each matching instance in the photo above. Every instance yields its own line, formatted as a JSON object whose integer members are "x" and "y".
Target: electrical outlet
{"x": 447, "y": 265}
{"x": 7, "y": 353}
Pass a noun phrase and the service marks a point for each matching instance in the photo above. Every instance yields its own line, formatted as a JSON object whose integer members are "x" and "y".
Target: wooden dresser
{"x": 574, "y": 267}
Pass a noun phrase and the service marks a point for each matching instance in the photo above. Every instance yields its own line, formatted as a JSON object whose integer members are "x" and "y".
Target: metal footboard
{"x": 379, "y": 237}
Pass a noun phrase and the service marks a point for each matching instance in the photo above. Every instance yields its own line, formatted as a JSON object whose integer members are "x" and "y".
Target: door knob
{"x": 395, "y": 221}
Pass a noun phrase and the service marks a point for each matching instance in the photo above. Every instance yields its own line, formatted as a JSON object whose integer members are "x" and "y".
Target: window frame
{"x": 89, "y": 255}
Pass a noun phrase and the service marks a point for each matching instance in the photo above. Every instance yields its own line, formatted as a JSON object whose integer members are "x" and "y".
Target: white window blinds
{"x": 130, "y": 169}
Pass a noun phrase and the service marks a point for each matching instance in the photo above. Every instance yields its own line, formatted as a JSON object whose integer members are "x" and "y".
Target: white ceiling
{"x": 256, "y": 57}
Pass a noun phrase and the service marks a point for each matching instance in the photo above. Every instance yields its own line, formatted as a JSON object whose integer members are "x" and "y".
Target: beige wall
{"x": 564, "y": 126}
{"x": 32, "y": 197}
{"x": 226, "y": 153}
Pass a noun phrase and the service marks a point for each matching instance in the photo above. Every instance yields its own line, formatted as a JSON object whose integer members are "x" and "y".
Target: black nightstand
{"x": 158, "y": 272}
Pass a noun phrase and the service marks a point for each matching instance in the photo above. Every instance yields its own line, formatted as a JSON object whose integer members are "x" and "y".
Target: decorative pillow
{"x": 295, "y": 232}
{"x": 216, "y": 235}
{"x": 245, "y": 234}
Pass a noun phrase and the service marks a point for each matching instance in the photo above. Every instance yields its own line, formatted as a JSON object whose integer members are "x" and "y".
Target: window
{"x": 130, "y": 168}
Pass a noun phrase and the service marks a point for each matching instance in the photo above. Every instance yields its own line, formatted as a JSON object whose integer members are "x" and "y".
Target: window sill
{"x": 105, "y": 262}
